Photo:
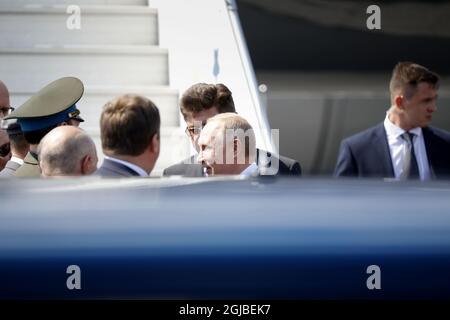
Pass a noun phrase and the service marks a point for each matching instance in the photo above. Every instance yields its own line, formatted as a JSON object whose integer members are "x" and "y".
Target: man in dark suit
{"x": 203, "y": 101}
{"x": 129, "y": 128}
{"x": 227, "y": 147}
{"x": 403, "y": 146}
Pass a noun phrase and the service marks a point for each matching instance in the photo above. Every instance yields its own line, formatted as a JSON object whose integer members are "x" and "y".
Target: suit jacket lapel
{"x": 429, "y": 149}
{"x": 382, "y": 151}
{"x": 30, "y": 159}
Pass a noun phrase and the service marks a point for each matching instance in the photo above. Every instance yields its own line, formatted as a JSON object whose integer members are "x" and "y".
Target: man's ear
{"x": 85, "y": 164}
{"x": 399, "y": 102}
{"x": 154, "y": 145}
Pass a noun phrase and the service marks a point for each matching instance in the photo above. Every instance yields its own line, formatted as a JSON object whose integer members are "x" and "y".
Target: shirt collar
{"x": 16, "y": 160}
{"x": 132, "y": 166}
{"x": 394, "y": 131}
{"x": 250, "y": 170}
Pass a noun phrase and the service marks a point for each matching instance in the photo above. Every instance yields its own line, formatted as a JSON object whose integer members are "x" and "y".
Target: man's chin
{"x": 426, "y": 123}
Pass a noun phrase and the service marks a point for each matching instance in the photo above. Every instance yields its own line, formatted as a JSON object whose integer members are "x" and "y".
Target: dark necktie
{"x": 411, "y": 169}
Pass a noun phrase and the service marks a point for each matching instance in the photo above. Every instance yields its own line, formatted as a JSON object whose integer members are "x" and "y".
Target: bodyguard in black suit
{"x": 404, "y": 146}
{"x": 203, "y": 101}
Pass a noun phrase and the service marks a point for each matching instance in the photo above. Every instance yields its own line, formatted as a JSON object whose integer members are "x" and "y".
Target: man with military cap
{"x": 53, "y": 106}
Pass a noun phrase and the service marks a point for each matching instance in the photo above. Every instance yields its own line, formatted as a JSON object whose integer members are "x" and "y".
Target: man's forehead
{"x": 4, "y": 100}
{"x": 201, "y": 116}
{"x": 210, "y": 132}
{"x": 426, "y": 89}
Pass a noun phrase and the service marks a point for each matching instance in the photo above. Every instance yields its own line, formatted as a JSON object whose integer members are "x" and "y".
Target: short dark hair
{"x": 34, "y": 137}
{"x": 203, "y": 96}
{"x": 18, "y": 142}
{"x": 407, "y": 75}
{"x": 128, "y": 124}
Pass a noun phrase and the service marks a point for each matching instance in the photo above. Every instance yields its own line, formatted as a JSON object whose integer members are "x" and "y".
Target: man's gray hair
{"x": 63, "y": 155}
{"x": 235, "y": 126}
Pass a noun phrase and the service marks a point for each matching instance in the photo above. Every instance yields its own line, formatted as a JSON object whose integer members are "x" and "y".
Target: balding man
{"x": 5, "y": 108}
{"x": 227, "y": 147}
{"x": 5, "y": 150}
{"x": 67, "y": 151}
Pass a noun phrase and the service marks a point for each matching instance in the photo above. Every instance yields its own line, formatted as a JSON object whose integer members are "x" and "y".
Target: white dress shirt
{"x": 16, "y": 160}
{"x": 141, "y": 172}
{"x": 398, "y": 147}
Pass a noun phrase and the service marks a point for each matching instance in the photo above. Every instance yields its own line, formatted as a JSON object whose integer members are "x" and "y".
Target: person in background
{"x": 403, "y": 146}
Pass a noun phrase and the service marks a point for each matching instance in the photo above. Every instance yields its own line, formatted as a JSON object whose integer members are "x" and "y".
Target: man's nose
{"x": 432, "y": 108}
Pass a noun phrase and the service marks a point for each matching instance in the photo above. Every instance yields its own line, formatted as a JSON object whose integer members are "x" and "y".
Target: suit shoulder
{"x": 441, "y": 133}
{"x": 361, "y": 138}
{"x": 180, "y": 168}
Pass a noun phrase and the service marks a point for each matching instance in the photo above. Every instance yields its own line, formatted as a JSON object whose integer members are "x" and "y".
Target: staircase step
{"x": 112, "y": 25}
{"x": 4, "y": 3}
{"x": 32, "y": 68}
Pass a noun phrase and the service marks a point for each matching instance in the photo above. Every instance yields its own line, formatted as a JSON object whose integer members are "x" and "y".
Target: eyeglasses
{"x": 195, "y": 129}
{"x": 5, "y": 150}
{"x": 5, "y": 111}
{"x": 192, "y": 131}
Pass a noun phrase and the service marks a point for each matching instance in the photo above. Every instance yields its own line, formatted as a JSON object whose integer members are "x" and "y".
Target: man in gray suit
{"x": 19, "y": 149}
{"x": 129, "y": 127}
